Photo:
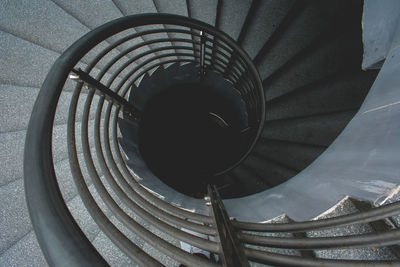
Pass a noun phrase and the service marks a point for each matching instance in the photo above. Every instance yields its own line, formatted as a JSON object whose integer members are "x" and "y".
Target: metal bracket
{"x": 232, "y": 251}
{"x": 202, "y": 54}
{"x": 109, "y": 94}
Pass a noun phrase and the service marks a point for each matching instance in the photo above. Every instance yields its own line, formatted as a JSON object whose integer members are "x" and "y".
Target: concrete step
{"x": 232, "y": 16}
{"x": 273, "y": 172}
{"x": 12, "y": 150}
{"x": 46, "y": 24}
{"x": 105, "y": 11}
{"x": 205, "y": 11}
{"x": 14, "y": 209}
{"x": 315, "y": 130}
{"x": 347, "y": 206}
{"x": 176, "y": 7}
{"x": 334, "y": 93}
{"x": 27, "y": 63}
{"x": 305, "y": 23}
{"x": 279, "y": 219}
{"x": 339, "y": 53}
{"x": 24, "y": 253}
{"x": 18, "y": 232}
{"x": 139, "y": 7}
{"x": 295, "y": 155}
{"x": 252, "y": 181}
{"x": 41, "y": 22}
{"x": 391, "y": 197}
{"x": 20, "y": 100}
{"x": 263, "y": 23}
{"x": 14, "y": 220}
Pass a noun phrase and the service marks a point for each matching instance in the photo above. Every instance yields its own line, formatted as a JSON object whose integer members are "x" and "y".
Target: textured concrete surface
{"x": 110, "y": 252}
{"x": 362, "y": 162}
{"x": 24, "y": 253}
{"x": 27, "y": 63}
{"x": 266, "y": 19}
{"x": 177, "y": 7}
{"x": 379, "y": 33}
{"x": 20, "y": 100}
{"x": 14, "y": 219}
{"x": 41, "y": 22}
{"x": 16, "y": 100}
{"x": 11, "y": 156}
{"x": 344, "y": 207}
{"x": 344, "y": 91}
{"x": 205, "y": 11}
{"x": 280, "y": 219}
{"x": 233, "y": 13}
{"x": 83, "y": 218}
{"x": 311, "y": 65}
{"x": 273, "y": 172}
{"x": 105, "y": 12}
{"x": 305, "y": 26}
{"x": 33, "y": 32}
{"x": 316, "y": 130}
{"x": 297, "y": 156}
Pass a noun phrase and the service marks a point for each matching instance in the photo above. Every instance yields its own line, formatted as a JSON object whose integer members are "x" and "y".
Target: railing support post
{"x": 109, "y": 94}
{"x": 202, "y": 54}
{"x": 232, "y": 251}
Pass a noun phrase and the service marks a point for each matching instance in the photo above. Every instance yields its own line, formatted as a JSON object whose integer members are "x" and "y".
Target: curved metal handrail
{"x": 59, "y": 235}
{"x": 43, "y": 195}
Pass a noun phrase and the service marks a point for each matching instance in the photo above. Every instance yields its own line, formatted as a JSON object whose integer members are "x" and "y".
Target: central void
{"x": 191, "y": 132}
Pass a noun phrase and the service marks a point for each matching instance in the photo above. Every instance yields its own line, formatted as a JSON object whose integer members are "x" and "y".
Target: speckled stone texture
{"x": 205, "y": 10}
{"x": 392, "y": 197}
{"x": 265, "y": 20}
{"x": 33, "y": 33}
{"x": 41, "y": 22}
{"x": 14, "y": 219}
{"x": 27, "y": 63}
{"x": 24, "y": 253}
{"x": 280, "y": 219}
{"x": 346, "y": 206}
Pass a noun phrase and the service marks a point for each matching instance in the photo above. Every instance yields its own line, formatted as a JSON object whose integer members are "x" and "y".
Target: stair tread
{"x": 279, "y": 219}
{"x": 20, "y": 100}
{"x": 105, "y": 12}
{"x": 310, "y": 20}
{"x": 25, "y": 58}
{"x": 177, "y": 7}
{"x": 233, "y": 15}
{"x": 12, "y": 150}
{"x": 297, "y": 156}
{"x": 14, "y": 220}
{"x": 269, "y": 171}
{"x": 205, "y": 10}
{"x": 346, "y": 206}
{"x": 339, "y": 92}
{"x": 266, "y": 19}
{"x": 42, "y": 22}
{"x": 312, "y": 130}
{"x": 24, "y": 253}
{"x": 111, "y": 253}
{"x": 313, "y": 64}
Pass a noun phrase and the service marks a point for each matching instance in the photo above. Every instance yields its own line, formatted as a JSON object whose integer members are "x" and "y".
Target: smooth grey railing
{"x": 110, "y": 73}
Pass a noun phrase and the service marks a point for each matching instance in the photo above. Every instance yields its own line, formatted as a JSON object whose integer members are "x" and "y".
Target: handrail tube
{"x": 372, "y": 215}
{"x": 130, "y": 223}
{"x": 138, "y": 198}
{"x": 380, "y": 239}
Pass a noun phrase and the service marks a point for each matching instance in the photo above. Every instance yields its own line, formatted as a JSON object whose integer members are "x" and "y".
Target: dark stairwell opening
{"x": 188, "y": 134}
{"x": 192, "y": 132}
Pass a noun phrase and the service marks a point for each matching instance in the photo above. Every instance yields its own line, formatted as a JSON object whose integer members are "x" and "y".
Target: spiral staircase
{"x": 305, "y": 159}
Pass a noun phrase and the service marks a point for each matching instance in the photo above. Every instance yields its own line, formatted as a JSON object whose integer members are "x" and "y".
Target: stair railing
{"x": 104, "y": 72}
